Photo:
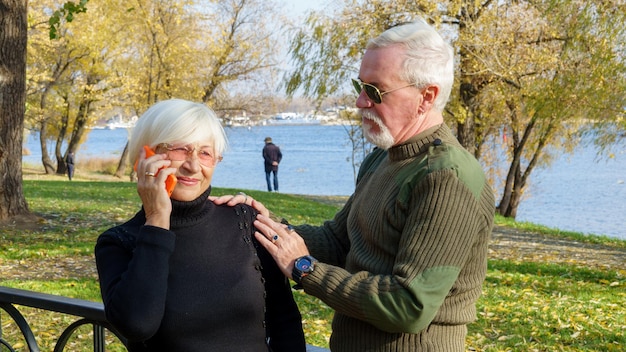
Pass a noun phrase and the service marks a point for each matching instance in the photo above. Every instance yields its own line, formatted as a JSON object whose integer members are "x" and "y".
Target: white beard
{"x": 382, "y": 139}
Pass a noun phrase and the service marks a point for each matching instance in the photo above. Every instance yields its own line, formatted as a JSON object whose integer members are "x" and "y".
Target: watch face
{"x": 303, "y": 264}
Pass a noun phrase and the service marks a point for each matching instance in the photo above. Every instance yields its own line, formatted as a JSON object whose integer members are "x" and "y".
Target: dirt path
{"x": 512, "y": 244}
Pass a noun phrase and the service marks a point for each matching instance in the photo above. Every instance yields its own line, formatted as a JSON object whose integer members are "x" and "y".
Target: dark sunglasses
{"x": 373, "y": 93}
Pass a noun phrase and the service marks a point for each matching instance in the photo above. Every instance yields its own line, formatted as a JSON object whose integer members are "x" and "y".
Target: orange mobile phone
{"x": 170, "y": 181}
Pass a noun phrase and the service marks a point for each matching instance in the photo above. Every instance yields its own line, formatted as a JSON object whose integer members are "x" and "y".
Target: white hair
{"x": 429, "y": 58}
{"x": 177, "y": 120}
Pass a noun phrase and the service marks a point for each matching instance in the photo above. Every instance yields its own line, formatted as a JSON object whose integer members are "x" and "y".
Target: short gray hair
{"x": 429, "y": 58}
{"x": 177, "y": 120}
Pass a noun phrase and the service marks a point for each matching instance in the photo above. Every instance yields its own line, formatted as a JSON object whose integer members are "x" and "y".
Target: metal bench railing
{"x": 90, "y": 313}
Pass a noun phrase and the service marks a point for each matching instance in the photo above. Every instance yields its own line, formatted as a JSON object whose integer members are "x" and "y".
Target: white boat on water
{"x": 118, "y": 121}
{"x": 295, "y": 121}
{"x": 292, "y": 118}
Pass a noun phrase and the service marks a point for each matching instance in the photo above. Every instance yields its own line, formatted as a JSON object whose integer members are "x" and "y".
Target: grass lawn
{"x": 526, "y": 306}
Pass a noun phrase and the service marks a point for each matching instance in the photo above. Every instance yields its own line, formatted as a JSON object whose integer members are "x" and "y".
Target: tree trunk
{"x": 512, "y": 193}
{"x": 13, "y": 36}
{"x": 511, "y": 199}
{"x": 121, "y": 166}
{"x": 65, "y": 118}
{"x": 517, "y": 177}
{"x": 466, "y": 134}
{"x": 79, "y": 129}
{"x": 43, "y": 142}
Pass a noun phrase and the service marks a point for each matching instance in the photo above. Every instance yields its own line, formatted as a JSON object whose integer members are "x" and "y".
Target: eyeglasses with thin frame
{"x": 206, "y": 155}
{"x": 373, "y": 93}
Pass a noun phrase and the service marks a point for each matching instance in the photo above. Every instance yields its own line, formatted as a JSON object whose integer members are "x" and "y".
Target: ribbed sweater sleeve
{"x": 135, "y": 301}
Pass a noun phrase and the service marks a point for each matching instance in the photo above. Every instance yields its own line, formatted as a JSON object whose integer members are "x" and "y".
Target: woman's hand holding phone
{"x": 151, "y": 184}
{"x": 170, "y": 181}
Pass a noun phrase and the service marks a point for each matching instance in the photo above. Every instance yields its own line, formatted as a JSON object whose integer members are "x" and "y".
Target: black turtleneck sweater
{"x": 199, "y": 286}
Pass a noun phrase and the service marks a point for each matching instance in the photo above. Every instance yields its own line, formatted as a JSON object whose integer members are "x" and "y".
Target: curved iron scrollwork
{"x": 98, "y": 334}
{"x": 91, "y": 313}
{"x": 19, "y": 319}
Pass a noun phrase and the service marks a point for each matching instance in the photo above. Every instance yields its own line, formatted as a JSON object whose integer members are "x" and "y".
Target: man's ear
{"x": 429, "y": 96}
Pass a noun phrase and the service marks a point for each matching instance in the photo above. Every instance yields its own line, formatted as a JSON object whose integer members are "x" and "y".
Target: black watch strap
{"x": 302, "y": 267}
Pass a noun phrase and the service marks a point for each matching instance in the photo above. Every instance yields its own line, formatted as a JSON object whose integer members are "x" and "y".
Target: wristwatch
{"x": 301, "y": 268}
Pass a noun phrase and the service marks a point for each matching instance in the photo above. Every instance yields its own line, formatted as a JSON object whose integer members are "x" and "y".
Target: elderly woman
{"x": 184, "y": 274}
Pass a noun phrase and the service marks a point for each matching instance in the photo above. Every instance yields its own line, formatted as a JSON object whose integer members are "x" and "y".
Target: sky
{"x": 300, "y": 7}
{"x": 295, "y": 9}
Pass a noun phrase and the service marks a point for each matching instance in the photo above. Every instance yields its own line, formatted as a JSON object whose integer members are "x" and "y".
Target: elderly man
{"x": 403, "y": 263}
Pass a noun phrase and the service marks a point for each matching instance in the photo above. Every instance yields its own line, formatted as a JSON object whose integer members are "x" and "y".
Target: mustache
{"x": 368, "y": 114}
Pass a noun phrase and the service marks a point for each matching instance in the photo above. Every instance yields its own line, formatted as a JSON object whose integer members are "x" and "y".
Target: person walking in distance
{"x": 272, "y": 157}
{"x": 69, "y": 161}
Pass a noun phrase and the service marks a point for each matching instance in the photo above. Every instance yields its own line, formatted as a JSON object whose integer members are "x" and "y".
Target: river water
{"x": 577, "y": 193}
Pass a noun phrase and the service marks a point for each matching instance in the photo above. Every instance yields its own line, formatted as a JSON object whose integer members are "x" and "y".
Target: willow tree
{"x": 326, "y": 53}
{"x": 551, "y": 67}
{"x": 523, "y": 67}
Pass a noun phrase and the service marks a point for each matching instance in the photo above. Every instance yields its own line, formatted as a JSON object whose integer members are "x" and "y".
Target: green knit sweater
{"x": 402, "y": 264}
